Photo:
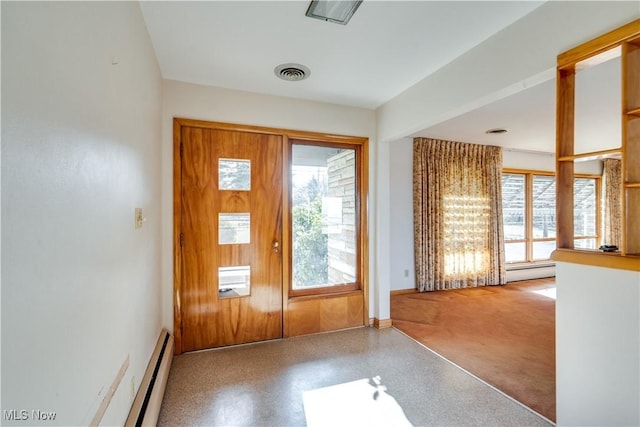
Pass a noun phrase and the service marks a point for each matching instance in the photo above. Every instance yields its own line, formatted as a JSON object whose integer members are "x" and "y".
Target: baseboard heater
{"x": 146, "y": 406}
{"x": 529, "y": 266}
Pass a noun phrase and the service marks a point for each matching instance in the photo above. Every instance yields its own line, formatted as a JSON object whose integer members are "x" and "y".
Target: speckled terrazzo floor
{"x": 262, "y": 384}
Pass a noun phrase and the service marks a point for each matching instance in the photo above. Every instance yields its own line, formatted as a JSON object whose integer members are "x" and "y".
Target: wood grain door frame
{"x": 286, "y": 134}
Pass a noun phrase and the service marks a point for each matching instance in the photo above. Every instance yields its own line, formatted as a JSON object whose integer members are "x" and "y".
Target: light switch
{"x": 139, "y": 218}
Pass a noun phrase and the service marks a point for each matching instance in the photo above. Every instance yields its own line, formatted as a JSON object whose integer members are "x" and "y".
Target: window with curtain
{"x": 459, "y": 239}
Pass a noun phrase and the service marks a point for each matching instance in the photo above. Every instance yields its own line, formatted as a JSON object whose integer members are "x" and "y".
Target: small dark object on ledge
{"x": 609, "y": 248}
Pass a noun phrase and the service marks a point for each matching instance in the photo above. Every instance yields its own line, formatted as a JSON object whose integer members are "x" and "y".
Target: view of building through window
{"x": 323, "y": 216}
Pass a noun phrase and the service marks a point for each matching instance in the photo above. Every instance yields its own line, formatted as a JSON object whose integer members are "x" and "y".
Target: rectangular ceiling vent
{"x": 339, "y": 12}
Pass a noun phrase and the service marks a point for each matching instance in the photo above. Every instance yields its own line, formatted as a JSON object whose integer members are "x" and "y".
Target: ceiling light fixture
{"x": 496, "y": 131}
{"x": 292, "y": 72}
{"x": 339, "y": 12}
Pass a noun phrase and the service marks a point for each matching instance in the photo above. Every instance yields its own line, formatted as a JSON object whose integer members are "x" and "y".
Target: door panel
{"x": 248, "y": 308}
{"x": 325, "y": 314}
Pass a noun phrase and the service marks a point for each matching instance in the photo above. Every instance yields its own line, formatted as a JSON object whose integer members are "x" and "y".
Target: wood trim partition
{"x": 631, "y": 137}
{"x": 608, "y": 260}
{"x": 598, "y": 45}
{"x": 625, "y": 41}
{"x": 564, "y": 147}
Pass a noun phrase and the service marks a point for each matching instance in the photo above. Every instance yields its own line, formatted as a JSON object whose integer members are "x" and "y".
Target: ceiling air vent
{"x": 496, "y": 131}
{"x": 292, "y": 72}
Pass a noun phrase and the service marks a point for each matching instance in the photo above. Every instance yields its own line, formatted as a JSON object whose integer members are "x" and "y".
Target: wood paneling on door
{"x": 320, "y": 314}
{"x": 209, "y": 316}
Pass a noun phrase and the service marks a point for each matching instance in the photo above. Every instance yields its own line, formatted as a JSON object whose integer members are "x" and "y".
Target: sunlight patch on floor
{"x": 548, "y": 292}
{"x": 356, "y": 403}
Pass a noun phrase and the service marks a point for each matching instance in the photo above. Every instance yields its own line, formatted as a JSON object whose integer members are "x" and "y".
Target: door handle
{"x": 275, "y": 245}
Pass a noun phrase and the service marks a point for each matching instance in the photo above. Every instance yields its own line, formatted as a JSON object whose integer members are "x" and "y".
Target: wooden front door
{"x": 230, "y": 189}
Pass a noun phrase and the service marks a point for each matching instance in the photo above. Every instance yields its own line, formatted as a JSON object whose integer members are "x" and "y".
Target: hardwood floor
{"x": 504, "y": 335}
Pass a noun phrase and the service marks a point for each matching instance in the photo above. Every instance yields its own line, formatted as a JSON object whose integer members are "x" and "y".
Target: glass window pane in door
{"x": 234, "y": 281}
{"x": 234, "y": 228}
{"x": 234, "y": 174}
{"x": 323, "y": 216}
{"x": 513, "y": 211}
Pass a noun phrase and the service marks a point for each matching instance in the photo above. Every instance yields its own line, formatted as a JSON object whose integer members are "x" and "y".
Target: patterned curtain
{"x": 457, "y": 193}
{"x": 612, "y": 184}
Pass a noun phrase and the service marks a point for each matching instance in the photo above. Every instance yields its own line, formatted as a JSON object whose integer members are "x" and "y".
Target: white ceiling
{"x": 387, "y": 47}
{"x": 529, "y": 116}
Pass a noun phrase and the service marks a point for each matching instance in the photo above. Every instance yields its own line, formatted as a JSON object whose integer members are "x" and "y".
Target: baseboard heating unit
{"x": 146, "y": 406}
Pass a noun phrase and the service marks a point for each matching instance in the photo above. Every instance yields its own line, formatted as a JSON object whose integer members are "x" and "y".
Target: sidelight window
{"x": 324, "y": 218}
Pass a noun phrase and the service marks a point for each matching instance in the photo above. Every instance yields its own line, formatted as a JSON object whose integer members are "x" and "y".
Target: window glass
{"x": 515, "y": 252}
{"x": 539, "y": 231}
{"x": 584, "y": 243}
{"x": 323, "y": 216}
{"x": 234, "y": 228}
{"x": 542, "y": 250}
{"x": 544, "y": 207}
{"x": 513, "y": 211}
{"x": 234, "y": 174}
{"x": 584, "y": 207}
{"x": 234, "y": 281}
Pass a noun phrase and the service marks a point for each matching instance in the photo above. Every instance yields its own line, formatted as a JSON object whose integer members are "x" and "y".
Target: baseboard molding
{"x": 381, "y": 324}
{"x": 403, "y": 291}
{"x": 146, "y": 406}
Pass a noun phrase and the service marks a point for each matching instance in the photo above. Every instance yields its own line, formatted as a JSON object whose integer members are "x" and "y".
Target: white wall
{"x": 81, "y": 98}
{"x": 597, "y": 346}
{"x": 544, "y": 162}
{"x": 401, "y": 207}
{"x": 379, "y": 298}
{"x": 231, "y": 106}
{"x": 528, "y": 160}
{"x": 521, "y": 55}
